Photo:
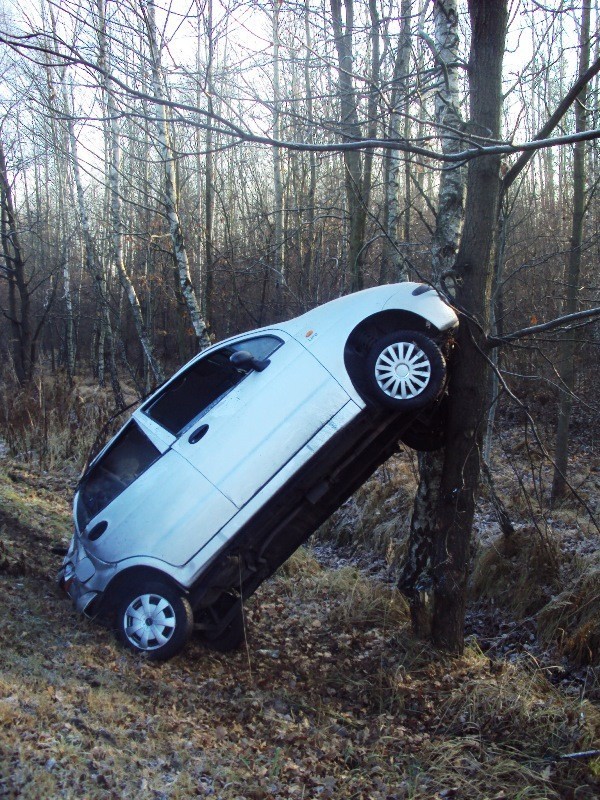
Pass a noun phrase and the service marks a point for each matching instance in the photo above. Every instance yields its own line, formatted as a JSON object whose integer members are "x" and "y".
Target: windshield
{"x": 129, "y": 455}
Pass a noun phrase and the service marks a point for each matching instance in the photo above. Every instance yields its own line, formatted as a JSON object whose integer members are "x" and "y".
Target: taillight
{"x": 67, "y": 577}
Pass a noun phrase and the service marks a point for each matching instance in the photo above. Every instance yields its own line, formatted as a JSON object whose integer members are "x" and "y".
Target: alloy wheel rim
{"x": 402, "y": 370}
{"x": 149, "y": 621}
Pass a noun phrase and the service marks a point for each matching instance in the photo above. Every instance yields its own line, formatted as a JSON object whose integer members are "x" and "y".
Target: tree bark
{"x": 209, "y": 189}
{"x": 468, "y": 397}
{"x": 447, "y": 115}
{"x": 278, "y": 259}
{"x": 416, "y": 580}
{"x": 106, "y": 345}
{"x": 60, "y": 149}
{"x": 568, "y": 346}
{"x": 170, "y": 192}
{"x": 116, "y": 219}
{"x": 307, "y": 264}
{"x": 350, "y": 128}
{"x": 372, "y": 103}
{"x": 23, "y": 350}
{"x": 394, "y": 260}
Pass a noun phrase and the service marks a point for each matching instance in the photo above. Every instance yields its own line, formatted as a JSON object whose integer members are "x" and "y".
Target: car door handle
{"x": 197, "y": 434}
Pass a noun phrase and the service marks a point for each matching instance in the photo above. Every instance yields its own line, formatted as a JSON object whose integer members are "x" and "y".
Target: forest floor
{"x": 330, "y": 697}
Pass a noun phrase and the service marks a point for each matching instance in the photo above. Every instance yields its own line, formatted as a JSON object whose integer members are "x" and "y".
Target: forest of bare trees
{"x": 174, "y": 173}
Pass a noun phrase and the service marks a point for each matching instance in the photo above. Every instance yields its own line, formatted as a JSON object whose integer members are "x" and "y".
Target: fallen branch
{"x": 583, "y": 754}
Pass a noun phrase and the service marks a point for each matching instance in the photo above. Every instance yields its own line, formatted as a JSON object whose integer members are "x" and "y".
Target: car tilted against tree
{"x": 228, "y": 467}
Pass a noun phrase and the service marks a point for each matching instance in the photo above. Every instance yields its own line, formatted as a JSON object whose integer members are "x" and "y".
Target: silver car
{"x": 228, "y": 467}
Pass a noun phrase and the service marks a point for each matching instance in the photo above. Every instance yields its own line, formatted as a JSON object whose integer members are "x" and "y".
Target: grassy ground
{"x": 330, "y": 698}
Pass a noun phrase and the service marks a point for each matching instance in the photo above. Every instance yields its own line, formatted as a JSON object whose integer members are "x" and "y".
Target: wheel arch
{"x": 389, "y": 320}
{"x": 366, "y": 333}
{"x": 127, "y": 577}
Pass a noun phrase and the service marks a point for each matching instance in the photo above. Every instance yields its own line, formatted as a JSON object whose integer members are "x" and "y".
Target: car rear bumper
{"x": 83, "y": 578}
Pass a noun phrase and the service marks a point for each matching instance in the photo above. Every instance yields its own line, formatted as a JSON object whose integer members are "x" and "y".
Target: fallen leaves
{"x": 331, "y": 700}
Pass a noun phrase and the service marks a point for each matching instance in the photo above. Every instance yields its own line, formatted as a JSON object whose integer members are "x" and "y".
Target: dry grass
{"x": 344, "y": 597}
{"x": 378, "y": 515}
{"x": 519, "y": 572}
{"x": 517, "y": 704}
{"x": 51, "y": 424}
{"x": 331, "y": 699}
{"x": 572, "y": 618}
{"x": 523, "y": 575}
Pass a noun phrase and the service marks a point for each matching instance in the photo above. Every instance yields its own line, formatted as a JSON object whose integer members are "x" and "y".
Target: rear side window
{"x": 127, "y": 458}
{"x": 203, "y": 384}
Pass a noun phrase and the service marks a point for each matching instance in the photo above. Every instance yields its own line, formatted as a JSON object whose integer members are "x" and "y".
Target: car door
{"x": 261, "y": 419}
{"x": 140, "y": 498}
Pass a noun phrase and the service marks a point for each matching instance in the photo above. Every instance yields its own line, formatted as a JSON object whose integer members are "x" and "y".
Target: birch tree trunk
{"x": 416, "y": 580}
{"x": 372, "y": 104}
{"x": 312, "y": 161}
{"x": 116, "y": 228}
{"x": 170, "y": 182}
{"x": 66, "y": 272}
{"x": 468, "y": 398}
{"x": 277, "y": 248}
{"x": 106, "y": 345}
{"x": 209, "y": 189}
{"x": 350, "y": 128}
{"x": 569, "y": 345}
{"x": 394, "y": 260}
{"x": 60, "y": 149}
{"x": 447, "y": 115}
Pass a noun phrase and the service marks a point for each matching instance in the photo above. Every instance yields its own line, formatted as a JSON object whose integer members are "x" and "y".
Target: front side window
{"x": 126, "y": 459}
{"x": 261, "y": 346}
{"x": 203, "y": 383}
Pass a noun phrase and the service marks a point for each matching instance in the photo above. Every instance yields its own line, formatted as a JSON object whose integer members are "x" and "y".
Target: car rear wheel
{"x": 228, "y": 638}
{"x": 154, "y": 619}
{"x": 427, "y": 431}
{"x": 405, "y": 370}
{"x": 422, "y": 438}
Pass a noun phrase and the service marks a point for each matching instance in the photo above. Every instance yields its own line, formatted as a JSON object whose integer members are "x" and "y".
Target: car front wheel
{"x": 405, "y": 370}
{"x": 154, "y": 619}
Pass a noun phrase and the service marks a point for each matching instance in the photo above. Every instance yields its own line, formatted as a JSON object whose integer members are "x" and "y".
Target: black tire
{"x": 226, "y": 639}
{"x": 422, "y": 376}
{"x": 423, "y": 439}
{"x": 427, "y": 432}
{"x": 165, "y": 619}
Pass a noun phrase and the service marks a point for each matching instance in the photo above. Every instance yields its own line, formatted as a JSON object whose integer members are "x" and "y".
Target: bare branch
{"x": 552, "y": 122}
{"x": 479, "y": 146}
{"x": 560, "y": 322}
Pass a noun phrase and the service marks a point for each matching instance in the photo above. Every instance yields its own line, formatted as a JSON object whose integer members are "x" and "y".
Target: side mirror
{"x": 245, "y": 359}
